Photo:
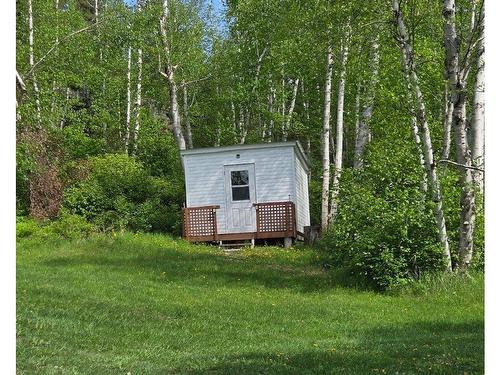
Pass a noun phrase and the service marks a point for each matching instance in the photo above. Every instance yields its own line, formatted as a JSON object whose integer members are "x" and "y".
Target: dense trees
{"x": 104, "y": 77}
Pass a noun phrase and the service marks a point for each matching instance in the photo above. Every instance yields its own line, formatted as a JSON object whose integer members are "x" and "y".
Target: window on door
{"x": 240, "y": 188}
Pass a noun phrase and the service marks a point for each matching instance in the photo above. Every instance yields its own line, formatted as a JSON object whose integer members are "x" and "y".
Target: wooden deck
{"x": 273, "y": 220}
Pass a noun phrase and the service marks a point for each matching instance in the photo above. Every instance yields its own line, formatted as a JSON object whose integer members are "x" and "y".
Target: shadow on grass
{"x": 423, "y": 348}
{"x": 214, "y": 267}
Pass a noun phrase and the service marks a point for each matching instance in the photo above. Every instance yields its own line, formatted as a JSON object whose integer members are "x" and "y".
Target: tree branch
{"x": 20, "y": 82}
{"x": 195, "y": 81}
{"x": 55, "y": 45}
{"x": 461, "y": 165}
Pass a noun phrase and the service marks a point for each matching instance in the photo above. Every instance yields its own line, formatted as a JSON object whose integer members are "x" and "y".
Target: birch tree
{"x": 448, "y": 116}
{"x": 339, "y": 144}
{"x": 478, "y": 107}
{"x": 407, "y": 54}
{"x": 31, "y": 41}
{"x": 138, "y": 100}
{"x": 325, "y": 139}
{"x": 187, "y": 122}
{"x": 138, "y": 97}
{"x": 129, "y": 99}
{"x": 457, "y": 70}
{"x": 363, "y": 133}
{"x": 169, "y": 74}
{"x": 291, "y": 108}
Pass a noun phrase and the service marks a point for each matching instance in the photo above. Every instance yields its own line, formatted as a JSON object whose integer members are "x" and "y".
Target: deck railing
{"x": 273, "y": 220}
{"x": 199, "y": 223}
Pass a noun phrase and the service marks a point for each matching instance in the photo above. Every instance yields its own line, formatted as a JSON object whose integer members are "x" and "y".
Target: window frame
{"x": 247, "y": 186}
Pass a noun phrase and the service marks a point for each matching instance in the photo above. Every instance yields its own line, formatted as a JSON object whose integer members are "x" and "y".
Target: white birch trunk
{"x": 187, "y": 123}
{"x": 356, "y": 119}
{"x": 291, "y": 109}
{"x": 325, "y": 140}
{"x": 457, "y": 83}
{"x": 233, "y": 115}
{"x": 244, "y": 120}
{"x": 241, "y": 127}
{"x": 272, "y": 98}
{"x": 414, "y": 124}
{"x": 31, "y": 42}
{"x": 407, "y": 54}
{"x": 478, "y": 105}
{"x": 169, "y": 75}
{"x": 363, "y": 133}
{"x": 339, "y": 144}
{"x": 61, "y": 123}
{"x": 448, "y": 116}
{"x": 129, "y": 98}
{"x": 96, "y": 16}
{"x": 138, "y": 102}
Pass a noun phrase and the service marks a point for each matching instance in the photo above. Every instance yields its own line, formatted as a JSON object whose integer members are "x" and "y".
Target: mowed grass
{"x": 148, "y": 304}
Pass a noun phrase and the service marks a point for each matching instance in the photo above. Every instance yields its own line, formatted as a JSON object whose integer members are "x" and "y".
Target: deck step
{"x": 234, "y": 246}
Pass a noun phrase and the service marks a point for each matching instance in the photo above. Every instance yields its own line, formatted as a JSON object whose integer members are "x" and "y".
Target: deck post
{"x": 287, "y": 242}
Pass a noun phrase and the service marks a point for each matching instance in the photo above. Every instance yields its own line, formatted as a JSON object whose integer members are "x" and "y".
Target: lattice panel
{"x": 275, "y": 217}
{"x": 200, "y": 222}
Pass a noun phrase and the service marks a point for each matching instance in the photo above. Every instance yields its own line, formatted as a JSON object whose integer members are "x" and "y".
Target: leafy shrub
{"x": 384, "y": 231}
{"x": 117, "y": 194}
{"x": 72, "y": 227}
{"x": 26, "y": 227}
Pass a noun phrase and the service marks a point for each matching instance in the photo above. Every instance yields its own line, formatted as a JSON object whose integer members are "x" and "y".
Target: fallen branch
{"x": 461, "y": 165}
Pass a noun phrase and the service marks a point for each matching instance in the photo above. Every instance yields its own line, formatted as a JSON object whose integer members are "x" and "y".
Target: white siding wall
{"x": 274, "y": 177}
{"x": 302, "y": 195}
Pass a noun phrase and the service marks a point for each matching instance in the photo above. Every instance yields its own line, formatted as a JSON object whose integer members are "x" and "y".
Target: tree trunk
{"x": 96, "y": 16}
{"x": 456, "y": 75}
{"x": 129, "y": 98}
{"x": 356, "y": 126}
{"x": 448, "y": 116}
{"x": 325, "y": 144}
{"x": 414, "y": 125}
{"x": 65, "y": 109}
{"x": 363, "y": 133}
{"x": 138, "y": 102}
{"x": 272, "y": 97}
{"x": 478, "y": 119}
{"x": 187, "y": 123}
{"x": 31, "y": 42}
{"x": 233, "y": 115}
{"x": 290, "y": 110}
{"x": 339, "y": 145}
{"x": 407, "y": 54}
{"x": 241, "y": 126}
{"x": 169, "y": 75}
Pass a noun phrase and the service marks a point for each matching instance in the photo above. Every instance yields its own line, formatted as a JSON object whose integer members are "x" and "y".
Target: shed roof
{"x": 208, "y": 150}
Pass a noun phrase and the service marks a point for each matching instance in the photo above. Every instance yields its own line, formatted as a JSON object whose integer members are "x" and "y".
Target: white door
{"x": 240, "y": 197}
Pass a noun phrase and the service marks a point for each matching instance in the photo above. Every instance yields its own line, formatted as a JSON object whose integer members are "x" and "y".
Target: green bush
{"x": 66, "y": 225}
{"x": 26, "y": 227}
{"x": 384, "y": 232}
{"x": 72, "y": 227}
{"x": 117, "y": 194}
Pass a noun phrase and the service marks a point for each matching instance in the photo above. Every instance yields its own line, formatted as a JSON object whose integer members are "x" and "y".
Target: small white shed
{"x": 243, "y": 192}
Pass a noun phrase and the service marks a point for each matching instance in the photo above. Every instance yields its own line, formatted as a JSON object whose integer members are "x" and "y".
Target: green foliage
{"x": 66, "y": 226}
{"x": 117, "y": 193}
{"x": 72, "y": 226}
{"x": 384, "y": 232}
{"x": 26, "y": 227}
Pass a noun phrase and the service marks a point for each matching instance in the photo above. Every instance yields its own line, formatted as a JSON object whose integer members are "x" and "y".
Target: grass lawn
{"x": 148, "y": 304}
